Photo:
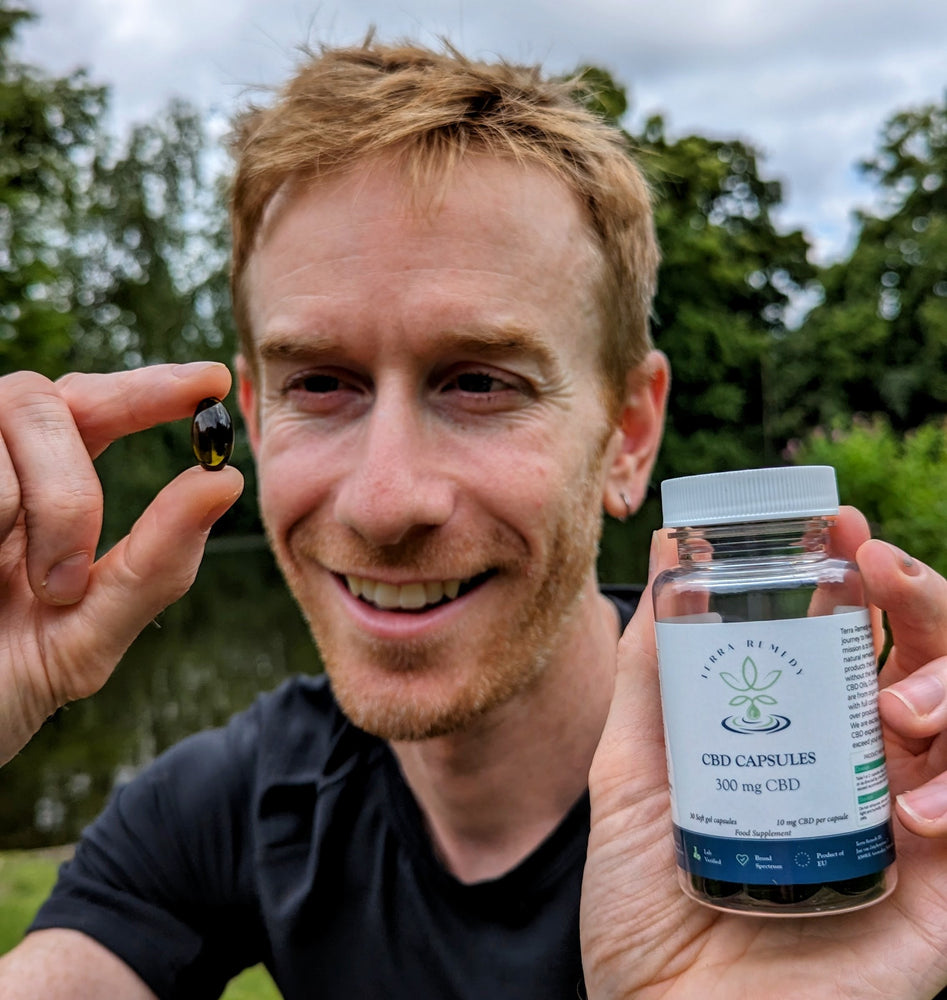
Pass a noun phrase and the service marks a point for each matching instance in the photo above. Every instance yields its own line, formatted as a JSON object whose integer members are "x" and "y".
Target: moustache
{"x": 425, "y": 553}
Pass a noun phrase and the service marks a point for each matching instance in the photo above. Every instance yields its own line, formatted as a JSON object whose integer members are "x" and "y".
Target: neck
{"x": 492, "y": 793}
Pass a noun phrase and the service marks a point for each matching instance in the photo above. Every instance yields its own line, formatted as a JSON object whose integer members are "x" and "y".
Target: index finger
{"x": 52, "y": 431}
{"x": 846, "y": 536}
{"x": 848, "y": 533}
{"x": 637, "y": 647}
{"x": 633, "y": 738}
{"x": 106, "y": 407}
{"x": 914, "y": 597}
{"x": 53, "y": 486}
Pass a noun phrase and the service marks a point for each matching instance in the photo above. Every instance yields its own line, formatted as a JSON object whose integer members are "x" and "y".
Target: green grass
{"x": 26, "y": 878}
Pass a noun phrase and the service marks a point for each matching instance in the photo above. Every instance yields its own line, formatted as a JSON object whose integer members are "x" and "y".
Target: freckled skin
{"x": 426, "y": 406}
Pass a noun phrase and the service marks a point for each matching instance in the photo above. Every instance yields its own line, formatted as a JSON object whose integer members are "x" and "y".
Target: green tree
{"x": 153, "y": 250}
{"x": 49, "y": 135}
{"x": 878, "y": 343}
{"x": 728, "y": 280}
{"x": 152, "y": 258}
{"x": 899, "y": 481}
{"x": 110, "y": 257}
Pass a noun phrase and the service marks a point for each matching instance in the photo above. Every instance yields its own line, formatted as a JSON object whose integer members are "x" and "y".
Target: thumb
{"x": 635, "y": 922}
{"x": 630, "y": 764}
{"x": 145, "y": 572}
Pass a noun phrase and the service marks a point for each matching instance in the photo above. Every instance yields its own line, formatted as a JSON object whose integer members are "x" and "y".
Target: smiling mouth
{"x": 411, "y": 596}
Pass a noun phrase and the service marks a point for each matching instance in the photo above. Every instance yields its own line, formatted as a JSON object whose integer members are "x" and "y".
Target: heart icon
{"x": 743, "y": 858}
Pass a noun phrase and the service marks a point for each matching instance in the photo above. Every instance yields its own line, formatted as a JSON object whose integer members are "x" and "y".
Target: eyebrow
{"x": 286, "y": 347}
{"x": 487, "y": 342}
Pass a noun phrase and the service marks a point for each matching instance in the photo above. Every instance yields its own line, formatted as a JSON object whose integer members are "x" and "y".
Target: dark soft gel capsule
{"x": 212, "y": 434}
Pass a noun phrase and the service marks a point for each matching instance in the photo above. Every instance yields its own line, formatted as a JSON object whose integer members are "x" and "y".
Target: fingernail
{"x": 922, "y": 694}
{"x": 929, "y": 802}
{"x": 192, "y": 368}
{"x": 653, "y": 554}
{"x": 67, "y": 580}
{"x": 218, "y": 510}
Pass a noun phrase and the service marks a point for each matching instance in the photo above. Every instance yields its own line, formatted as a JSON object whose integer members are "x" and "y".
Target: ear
{"x": 248, "y": 400}
{"x": 634, "y": 446}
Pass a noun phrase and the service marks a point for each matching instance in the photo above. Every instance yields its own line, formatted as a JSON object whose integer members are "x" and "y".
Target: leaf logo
{"x": 752, "y": 694}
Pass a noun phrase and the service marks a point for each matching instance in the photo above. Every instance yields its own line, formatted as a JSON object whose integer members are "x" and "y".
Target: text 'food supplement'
{"x": 779, "y": 794}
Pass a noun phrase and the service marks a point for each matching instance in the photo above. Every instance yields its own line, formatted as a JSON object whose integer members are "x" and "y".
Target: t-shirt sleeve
{"x": 163, "y": 877}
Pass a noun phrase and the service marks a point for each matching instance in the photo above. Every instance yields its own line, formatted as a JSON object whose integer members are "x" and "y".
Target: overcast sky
{"x": 808, "y": 83}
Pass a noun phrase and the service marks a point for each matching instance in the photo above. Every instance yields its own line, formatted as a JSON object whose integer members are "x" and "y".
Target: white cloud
{"x": 807, "y": 83}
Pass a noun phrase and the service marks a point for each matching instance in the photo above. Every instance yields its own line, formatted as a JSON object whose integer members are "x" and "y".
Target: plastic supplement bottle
{"x": 779, "y": 795}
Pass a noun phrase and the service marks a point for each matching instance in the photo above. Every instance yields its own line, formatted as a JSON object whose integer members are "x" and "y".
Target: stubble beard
{"x": 385, "y": 688}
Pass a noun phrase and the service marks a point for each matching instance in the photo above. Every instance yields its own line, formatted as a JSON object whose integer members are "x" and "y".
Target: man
{"x": 441, "y": 275}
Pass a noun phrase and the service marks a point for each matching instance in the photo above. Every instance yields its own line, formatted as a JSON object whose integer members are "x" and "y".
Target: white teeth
{"x": 410, "y": 597}
{"x": 386, "y": 595}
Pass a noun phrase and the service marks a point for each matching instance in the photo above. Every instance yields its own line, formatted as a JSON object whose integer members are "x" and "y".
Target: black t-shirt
{"x": 289, "y": 837}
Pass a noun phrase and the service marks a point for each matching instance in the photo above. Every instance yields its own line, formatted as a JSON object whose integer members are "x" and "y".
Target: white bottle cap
{"x": 750, "y": 495}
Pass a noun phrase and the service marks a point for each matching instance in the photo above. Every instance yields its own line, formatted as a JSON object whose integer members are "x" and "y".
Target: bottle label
{"x": 775, "y": 755}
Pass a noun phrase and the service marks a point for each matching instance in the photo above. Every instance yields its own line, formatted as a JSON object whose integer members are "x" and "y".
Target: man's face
{"x": 429, "y": 432}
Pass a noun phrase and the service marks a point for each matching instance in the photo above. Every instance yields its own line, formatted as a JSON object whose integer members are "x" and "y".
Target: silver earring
{"x": 624, "y": 499}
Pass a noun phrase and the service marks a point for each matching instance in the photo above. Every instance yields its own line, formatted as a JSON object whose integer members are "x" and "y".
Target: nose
{"x": 396, "y": 484}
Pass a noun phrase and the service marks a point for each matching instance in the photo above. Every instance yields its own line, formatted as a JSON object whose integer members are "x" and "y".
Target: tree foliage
{"x": 115, "y": 254}
{"x": 111, "y": 255}
{"x": 49, "y": 135}
{"x": 152, "y": 263}
{"x": 899, "y": 481}
{"x": 878, "y": 343}
{"x": 726, "y": 284}
{"x": 153, "y": 250}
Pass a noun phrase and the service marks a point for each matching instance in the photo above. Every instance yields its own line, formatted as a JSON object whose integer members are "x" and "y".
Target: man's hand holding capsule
{"x": 66, "y": 617}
